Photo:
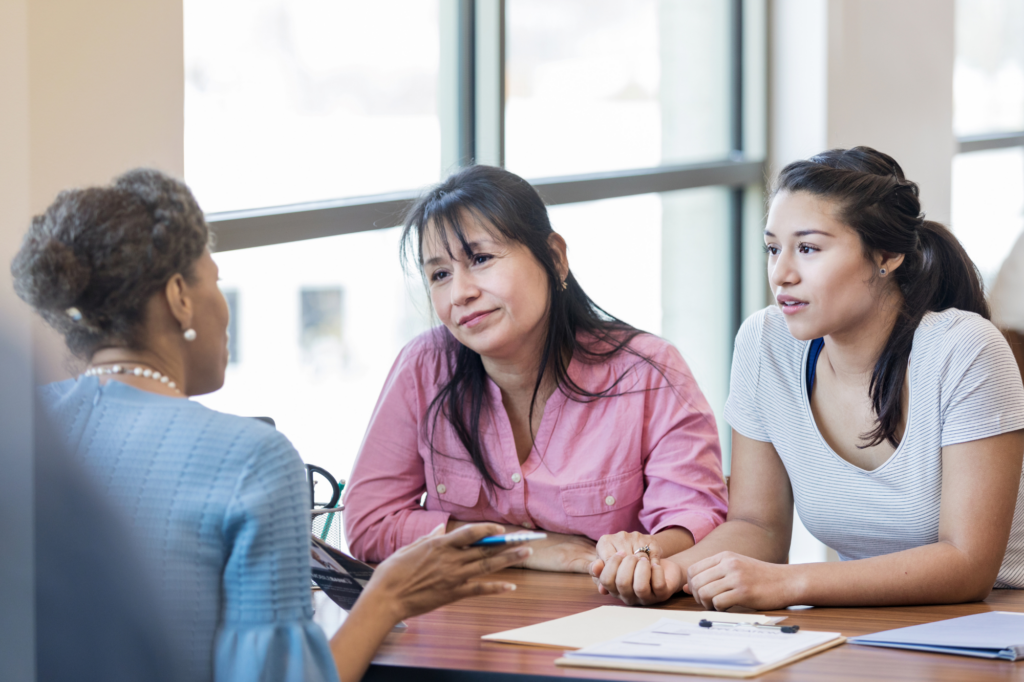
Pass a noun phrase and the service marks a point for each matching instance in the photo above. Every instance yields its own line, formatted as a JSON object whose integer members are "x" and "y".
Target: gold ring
{"x": 646, "y": 549}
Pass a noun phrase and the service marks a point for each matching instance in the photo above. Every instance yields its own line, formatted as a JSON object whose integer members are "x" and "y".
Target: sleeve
{"x": 741, "y": 407}
{"x": 684, "y": 486}
{"x": 382, "y": 497}
{"x": 267, "y": 632}
{"x": 987, "y": 396}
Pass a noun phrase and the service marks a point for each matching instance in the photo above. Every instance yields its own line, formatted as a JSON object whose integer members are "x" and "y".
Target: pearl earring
{"x": 190, "y": 335}
{"x": 882, "y": 272}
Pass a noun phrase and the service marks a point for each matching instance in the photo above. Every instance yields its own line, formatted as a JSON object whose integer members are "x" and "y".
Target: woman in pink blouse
{"x": 530, "y": 406}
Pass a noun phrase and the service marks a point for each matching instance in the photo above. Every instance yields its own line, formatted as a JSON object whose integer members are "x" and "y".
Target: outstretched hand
{"x": 436, "y": 570}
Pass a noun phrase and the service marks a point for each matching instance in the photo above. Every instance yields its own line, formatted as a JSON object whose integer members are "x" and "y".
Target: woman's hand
{"x": 557, "y": 553}
{"x": 728, "y": 579}
{"x": 561, "y": 553}
{"x": 635, "y": 579}
{"x": 627, "y": 543}
{"x": 431, "y": 572}
{"x": 436, "y": 569}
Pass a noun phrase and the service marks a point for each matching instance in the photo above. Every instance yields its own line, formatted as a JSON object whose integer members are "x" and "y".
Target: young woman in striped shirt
{"x": 877, "y": 397}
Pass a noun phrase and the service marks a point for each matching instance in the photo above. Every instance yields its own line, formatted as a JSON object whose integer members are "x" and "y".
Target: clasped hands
{"x": 717, "y": 583}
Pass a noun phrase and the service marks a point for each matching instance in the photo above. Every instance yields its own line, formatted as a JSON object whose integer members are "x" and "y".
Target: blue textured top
{"x": 218, "y": 504}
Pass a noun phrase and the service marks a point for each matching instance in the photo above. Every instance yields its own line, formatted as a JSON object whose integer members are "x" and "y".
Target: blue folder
{"x": 996, "y": 634}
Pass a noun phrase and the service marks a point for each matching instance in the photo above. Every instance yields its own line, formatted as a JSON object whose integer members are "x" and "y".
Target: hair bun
{"x": 49, "y": 276}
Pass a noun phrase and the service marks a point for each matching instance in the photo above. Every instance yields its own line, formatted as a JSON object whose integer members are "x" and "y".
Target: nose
{"x": 464, "y": 288}
{"x": 783, "y": 271}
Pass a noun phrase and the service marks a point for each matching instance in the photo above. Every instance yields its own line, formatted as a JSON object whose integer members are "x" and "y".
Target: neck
{"x": 150, "y": 359}
{"x": 852, "y": 353}
{"x": 516, "y": 375}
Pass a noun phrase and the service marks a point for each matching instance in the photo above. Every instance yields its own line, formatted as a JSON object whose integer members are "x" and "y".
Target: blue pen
{"x": 509, "y": 539}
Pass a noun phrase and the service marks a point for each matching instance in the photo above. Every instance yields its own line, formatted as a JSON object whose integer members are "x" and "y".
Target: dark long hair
{"x": 577, "y": 328}
{"x": 873, "y": 197}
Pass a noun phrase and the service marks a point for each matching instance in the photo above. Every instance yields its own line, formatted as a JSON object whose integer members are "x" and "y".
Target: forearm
{"x": 558, "y": 552}
{"x": 359, "y": 637}
{"x": 741, "y": 537}
{"x": 938, "y": 573}
{"x": 673, "y": 540}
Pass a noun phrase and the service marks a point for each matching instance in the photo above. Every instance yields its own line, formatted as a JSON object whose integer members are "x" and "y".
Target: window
{"x": 641, "y": 123}
{"x": 300, "y": 100}
{"x": 988, "y": 117}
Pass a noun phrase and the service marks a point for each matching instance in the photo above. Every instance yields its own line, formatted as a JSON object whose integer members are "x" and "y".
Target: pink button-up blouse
{"x": 645, "y": 460}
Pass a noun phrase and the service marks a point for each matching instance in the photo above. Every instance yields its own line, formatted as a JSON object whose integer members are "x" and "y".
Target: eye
{"x": 481, "y": 258}
{"x": 771, "y": 249}
{"x": 438, "y": 275}
{"x": 807, "y": 248}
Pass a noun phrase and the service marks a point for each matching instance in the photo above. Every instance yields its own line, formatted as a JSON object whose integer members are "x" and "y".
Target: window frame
{"x": 472, "y": 111}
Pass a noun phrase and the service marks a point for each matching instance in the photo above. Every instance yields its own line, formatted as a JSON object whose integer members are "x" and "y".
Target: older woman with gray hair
{"x": 218, "y": 502}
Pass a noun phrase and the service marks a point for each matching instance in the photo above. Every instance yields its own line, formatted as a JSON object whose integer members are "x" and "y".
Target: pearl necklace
{"x": 144, "y": 372}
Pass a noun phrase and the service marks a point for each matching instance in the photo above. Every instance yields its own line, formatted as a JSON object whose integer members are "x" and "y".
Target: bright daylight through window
{"x": 286, "y": 103}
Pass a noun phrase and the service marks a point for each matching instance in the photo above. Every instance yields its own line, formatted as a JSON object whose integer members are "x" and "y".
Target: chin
{"x": 803, "y": 330}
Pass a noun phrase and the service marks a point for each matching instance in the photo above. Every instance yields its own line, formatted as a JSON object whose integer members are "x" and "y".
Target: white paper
{"x": 672, "y": 641}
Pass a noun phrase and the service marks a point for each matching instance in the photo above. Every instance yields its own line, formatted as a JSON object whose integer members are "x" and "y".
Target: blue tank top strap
{"x": 812, "y": 362}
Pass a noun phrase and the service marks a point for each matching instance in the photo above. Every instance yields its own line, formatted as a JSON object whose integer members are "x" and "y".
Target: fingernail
{"x": 643, "y": 557}
{"x": 620, "y": 553}
{"x": 510, "y": 587}
{"x": 525, "y": 551}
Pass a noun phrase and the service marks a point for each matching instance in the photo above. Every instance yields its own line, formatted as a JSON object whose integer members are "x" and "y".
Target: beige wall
{"x": 104, "y": 93}
{"x": 867, "y": 72}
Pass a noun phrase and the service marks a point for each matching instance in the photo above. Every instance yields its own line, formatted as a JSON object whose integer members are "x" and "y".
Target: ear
{"x": 178, "y": 300}
{"x": 889, "y": 261}
{"x": 560, "y": 252}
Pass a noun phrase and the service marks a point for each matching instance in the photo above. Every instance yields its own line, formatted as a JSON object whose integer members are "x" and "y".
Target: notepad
{"x": 597, "y": 625}
{"x": 996, "y": 634}
{"x": 680, "y": 647}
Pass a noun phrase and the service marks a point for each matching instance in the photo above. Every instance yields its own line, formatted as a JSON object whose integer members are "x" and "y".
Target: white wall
{"x": 867, "y": 72}
{"x": 106, "y": 88}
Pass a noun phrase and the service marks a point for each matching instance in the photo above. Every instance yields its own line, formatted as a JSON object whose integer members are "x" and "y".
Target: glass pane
{"x": 299, "y": 100}
{"x": 988, "y": 81}
{"x": 595, "y": 85}
{"x": 677, "y": 244}
{"x": 313, "y": 344}
{"x": 988, "y": 205}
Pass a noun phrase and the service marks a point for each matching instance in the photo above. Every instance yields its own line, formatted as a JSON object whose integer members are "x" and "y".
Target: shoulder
{"x": 766, "y": 334}
{"x": 428, "y": 355}
{"x": 954, "y": 332}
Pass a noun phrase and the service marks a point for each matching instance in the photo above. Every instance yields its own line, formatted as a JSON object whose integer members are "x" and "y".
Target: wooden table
{"x": 446, "y": 644}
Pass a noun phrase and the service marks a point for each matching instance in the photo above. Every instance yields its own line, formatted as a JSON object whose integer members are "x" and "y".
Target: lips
{"x": 473, "y": 319}
{"x": 790, "y": 305}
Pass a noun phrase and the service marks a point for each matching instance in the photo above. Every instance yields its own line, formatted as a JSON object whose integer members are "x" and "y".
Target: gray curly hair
{"x": 91, "y": 262}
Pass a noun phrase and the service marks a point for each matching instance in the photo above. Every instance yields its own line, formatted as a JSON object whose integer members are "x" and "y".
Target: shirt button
{"x": 441, "y": 489}
{"x": 609, "y": 500}
{"x": 516, "y": 478}
{"x": 528, "y": 525}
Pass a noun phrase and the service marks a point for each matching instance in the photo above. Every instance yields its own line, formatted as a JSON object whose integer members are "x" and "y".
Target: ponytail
{"x": 883, "y": 207}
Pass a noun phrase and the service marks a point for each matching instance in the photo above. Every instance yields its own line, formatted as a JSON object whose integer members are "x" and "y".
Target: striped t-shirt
{"x": 964, "y": 386}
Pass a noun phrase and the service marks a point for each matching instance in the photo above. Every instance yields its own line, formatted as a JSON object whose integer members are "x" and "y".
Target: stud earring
{"x": 882, "y": 272}
{"x": 190, "y": 334}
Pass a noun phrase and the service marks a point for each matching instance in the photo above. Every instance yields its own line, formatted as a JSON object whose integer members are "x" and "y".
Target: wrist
{"x": 796, "y": 584}
{"x": 377, "y": 606}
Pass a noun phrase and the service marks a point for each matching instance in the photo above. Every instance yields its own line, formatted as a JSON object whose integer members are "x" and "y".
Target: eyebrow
{"x": 473, "y": 246}
{"x": 803, "y": 233}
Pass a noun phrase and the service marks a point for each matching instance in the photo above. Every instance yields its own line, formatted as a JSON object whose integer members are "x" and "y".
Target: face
{"x": 208, "y": 354}
{"x": 493, "y": 300}
{"x": 819, "y": 275}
